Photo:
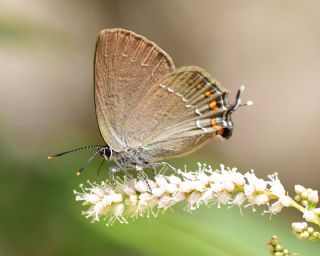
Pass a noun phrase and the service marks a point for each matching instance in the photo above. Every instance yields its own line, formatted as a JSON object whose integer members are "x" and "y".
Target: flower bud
{"x": 313, "y": 197}
{"x": 299, "y": 189}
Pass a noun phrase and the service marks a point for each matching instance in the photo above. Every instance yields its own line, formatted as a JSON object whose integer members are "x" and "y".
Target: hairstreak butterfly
{"x": 148, "y": 110}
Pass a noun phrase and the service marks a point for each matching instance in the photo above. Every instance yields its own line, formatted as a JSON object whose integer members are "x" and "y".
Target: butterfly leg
{"x": 127, "y": 174}
{"x": 101, "y": 164}
{"x": 144, "y": 176}
{"x": 178, "y": 172}
{"x": 154, "y": 169}
{"x": 152, "y": 166}
{"x": 112, "y": 171}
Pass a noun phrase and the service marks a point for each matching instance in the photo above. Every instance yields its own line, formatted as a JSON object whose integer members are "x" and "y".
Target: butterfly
{"x": 147, "y": 109}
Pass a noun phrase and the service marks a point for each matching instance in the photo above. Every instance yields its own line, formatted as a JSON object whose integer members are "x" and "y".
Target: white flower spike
{"x": 224, "y": 186}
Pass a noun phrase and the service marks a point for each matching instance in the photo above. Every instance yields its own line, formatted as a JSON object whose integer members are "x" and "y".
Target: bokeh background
{"x": 46, "y": 102}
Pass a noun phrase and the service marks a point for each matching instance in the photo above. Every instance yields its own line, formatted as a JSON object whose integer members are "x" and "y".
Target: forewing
{"x": 179, "y": 113}
{"x": 126, "y": 66}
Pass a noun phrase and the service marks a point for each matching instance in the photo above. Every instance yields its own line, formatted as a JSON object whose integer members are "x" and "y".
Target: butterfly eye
{"x": 106, "y": 152}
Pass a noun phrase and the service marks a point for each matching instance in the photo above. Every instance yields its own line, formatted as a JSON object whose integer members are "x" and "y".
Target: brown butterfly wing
{"x": 180, "y": 112}
{"x": 126, "y": 66}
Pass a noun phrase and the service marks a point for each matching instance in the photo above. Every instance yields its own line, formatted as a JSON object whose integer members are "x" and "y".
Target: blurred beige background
{"x": 46, "y": 102}
{"x": 46, "y": 87}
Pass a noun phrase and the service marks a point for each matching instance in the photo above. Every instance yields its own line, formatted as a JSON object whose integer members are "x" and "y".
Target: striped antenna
{"x": 88, "y": 162}
{"x": 73, "y": 150}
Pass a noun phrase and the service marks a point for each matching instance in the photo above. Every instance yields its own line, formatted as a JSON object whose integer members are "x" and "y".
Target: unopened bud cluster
{"x": 277, "y": 249}
{"x": 308, "y": 197}
{"x": 303, "y": 231}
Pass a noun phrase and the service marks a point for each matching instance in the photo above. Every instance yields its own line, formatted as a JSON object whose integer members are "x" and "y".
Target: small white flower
{"x": 228, "y": 185}
{"x": 96, "y": 210}
{"x": 141, "y": 186}
{"x": 171, "y": 188}
{"x": 239, "y": 199}
{"x": 259, "y": 184}
{"x": 106, "y": 200}
{"x": 132, "y": 200}
{"x": 180, "y": 196}
{"x": 216, "y": 187}
{"x": 215, "y": 177}
{"x": 275, "y": 208}
{"x": 249, "y": 190}
{"x": 166, "y": 201}
{"x": 158, "y": 192}
{"x": 160, "y": 180}
{"x": 186, "y": 186}
{"x": 88, "y": 198}
{"x": 144, "y": 198}
{"x": 174, "y": 180}
{"x": 199, "y": 186}
{"x": 100, "y": 192}
{"x": 127, "y": 188}
{"x": 238, "y": 179}
{"x": 118, "y": 209}
{"x": 276, "y": 187}
{"x": 285, "y": 200}
{"x": 116, "y": 198}
{"x": 259, "y": 199}
{"x": 203, "y": 178}
{"x": 207, "y": 196}
{"x": 194, "y": 200}
{"x": 223, "y": 197}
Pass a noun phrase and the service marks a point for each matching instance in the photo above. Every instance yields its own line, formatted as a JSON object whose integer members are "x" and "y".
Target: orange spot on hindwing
{"x": 208, "y": 94}
{"x": 213, "y": 105}
{"x": 219, "y": 129}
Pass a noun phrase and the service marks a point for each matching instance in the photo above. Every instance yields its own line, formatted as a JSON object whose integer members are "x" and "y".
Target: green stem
{"x": 302, "y": 209}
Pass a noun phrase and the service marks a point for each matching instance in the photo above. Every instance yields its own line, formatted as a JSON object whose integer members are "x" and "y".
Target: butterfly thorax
{"x": 133, "y": 158}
